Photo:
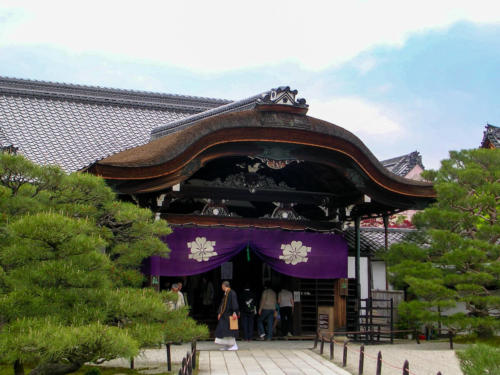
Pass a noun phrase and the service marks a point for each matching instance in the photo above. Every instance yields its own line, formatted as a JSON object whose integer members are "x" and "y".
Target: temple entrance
{"x": 203, "y": 291}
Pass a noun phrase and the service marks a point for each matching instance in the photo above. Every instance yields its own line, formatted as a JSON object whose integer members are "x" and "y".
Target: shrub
{"x": 480, "y": 359}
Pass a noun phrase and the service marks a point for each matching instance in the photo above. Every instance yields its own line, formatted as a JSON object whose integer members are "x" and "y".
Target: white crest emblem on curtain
{"x": 294, "y": 253}
{"x": 201, "y": 249}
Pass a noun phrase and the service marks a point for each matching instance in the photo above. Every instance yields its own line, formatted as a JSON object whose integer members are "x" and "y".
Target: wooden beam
{"x": 285, "y": 196}
{"x": 179, "y": 219}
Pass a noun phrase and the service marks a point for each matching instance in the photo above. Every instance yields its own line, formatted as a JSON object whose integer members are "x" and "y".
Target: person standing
{"x": 179, "y": 301}
{"x": 285, "y": 302}
{"x": 267, "y": 308}
{"x": 208, "y": 295}
{"x": 181, "y": 293}
{"x": 248, "y": 312}
{"x": 228, "y": 309}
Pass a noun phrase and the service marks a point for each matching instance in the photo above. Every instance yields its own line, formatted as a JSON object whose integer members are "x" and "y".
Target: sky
{"x": 402, "y": 75}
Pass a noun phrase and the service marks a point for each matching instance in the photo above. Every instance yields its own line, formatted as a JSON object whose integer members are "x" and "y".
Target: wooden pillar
{"x": 386, "y": 245}
{"x": 340, "y": 303}
{"x": 357, "y": 264}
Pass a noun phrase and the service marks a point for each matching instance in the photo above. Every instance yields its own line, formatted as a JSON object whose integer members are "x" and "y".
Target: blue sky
{"x": 402, "y": 76}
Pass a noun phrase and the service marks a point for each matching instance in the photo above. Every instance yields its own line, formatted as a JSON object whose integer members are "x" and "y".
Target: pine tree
{"x": 70, "y": 280}
{"x": 454, "y": 259}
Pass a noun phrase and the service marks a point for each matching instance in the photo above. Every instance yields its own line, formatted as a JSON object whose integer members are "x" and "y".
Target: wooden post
{"x": 379, "y": 363}
{"x": 189, "y": 357}
{"x": 450, "y": 334}
{"x": 18, "y": 367}
{"x": 385, "y": 219}
{"x": 361, "y": 359}
{"x": 193, "y": 352}
{"x": 316, "y": 340}
{"x": 322, "y": 344}
{"x": 132, "y": 363}
{"x": 406, "y": 368}
{"x": 332, "y": 354}
{"x": 357, "y": 268}
{"x": 344, "y": 358}
{"x": 417, "y": 338}
{"x": 169, "y": 358}
{"x": 392, "y": 320}
{"x": 183, "y": 366}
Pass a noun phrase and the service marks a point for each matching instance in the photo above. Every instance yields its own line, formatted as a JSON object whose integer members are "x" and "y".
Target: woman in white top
{"x": 285, "y": 301}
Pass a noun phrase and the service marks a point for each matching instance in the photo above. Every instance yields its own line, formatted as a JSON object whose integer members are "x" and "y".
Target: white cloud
{"x": 366, "y": 64}
{"x": 363, "y": 118}
{"x": 219, "y": 35}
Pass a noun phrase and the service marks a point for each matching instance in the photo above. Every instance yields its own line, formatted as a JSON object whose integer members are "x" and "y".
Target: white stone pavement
{"x": 266, "y": 362}
{"x": 253, "y": 358}
{"x": 296, "y": 357}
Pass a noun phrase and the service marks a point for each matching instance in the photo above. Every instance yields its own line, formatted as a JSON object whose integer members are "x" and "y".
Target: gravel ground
{"x": 153, "y": 361}
{"x": 426, "y": 358}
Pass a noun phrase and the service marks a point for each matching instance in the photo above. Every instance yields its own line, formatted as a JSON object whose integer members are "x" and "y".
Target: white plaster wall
{"x": 363, "y": 270}
{"x": 379, "y": 275}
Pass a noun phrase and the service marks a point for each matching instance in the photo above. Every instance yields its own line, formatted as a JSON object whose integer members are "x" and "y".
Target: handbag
{"x": 233, "y": 324}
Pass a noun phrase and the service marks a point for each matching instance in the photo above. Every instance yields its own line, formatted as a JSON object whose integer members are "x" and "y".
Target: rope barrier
{"x": 369, "y": 356}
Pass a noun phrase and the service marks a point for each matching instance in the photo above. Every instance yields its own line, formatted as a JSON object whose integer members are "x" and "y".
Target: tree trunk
{"x": 484, "y": 331}
{"x": 56, "y": 368}
{"x": 18, "y": 367}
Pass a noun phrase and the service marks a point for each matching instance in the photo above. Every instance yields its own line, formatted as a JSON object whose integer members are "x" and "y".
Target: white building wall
{"x": 363, "y": 270}
{"x": 379, "y": 275}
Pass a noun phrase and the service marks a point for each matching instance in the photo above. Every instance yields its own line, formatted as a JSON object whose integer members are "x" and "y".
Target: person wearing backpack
{"x": 248, "y": 311}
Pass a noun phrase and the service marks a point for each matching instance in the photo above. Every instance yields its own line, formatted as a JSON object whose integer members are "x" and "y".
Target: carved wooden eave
{"x": 173, "y": 158}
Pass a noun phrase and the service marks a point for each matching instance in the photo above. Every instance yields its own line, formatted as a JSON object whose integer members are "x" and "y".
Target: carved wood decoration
{"x": 216, "y": 208}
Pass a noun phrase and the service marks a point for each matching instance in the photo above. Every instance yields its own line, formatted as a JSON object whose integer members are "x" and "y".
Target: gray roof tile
{"x": 491, "y": 135}
{"x": 402, "y": 165}
{"x": 373, "y": 239}
{"x": 74, "y": 126}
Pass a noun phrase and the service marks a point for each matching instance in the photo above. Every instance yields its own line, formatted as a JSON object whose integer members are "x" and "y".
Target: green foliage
{"x": 480, "y": 359}
{"x": 70, "y": 258}
{"x": 455, "y": 258}
{"x": 93, "y": 371}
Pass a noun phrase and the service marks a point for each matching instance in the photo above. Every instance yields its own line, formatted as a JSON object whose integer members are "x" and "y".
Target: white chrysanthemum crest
{"x": 294, "y": 253}
{"x": 201, "y": 249}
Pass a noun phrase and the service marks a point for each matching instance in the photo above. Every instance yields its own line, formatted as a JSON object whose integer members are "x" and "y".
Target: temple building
{"x": 255, "y": 190}
{"x": 491, "y": 137}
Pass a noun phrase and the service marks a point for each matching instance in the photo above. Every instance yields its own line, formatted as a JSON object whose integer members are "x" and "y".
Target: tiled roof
{"x": 73, "y": 126}
{"x": 4, "y": 141}
{"x": 491, "y": 136}
{"x": 402, "y": 165}
{"x": 280, "y": 95}
{"x": 373, "y": 239}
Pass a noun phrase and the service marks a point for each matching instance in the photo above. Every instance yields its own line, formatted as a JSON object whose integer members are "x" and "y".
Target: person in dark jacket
{"x": 248, "y": 311}
{"x": 228, "y": 309}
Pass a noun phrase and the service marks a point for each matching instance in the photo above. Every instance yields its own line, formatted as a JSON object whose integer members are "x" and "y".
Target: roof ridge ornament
{"x": 282, "y": 95}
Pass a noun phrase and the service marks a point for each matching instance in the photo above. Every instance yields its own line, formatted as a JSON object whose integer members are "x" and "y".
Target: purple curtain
{"x": 196, "y": 250}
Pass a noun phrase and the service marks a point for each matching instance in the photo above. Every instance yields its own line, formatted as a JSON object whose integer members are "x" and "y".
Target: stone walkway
{"x": 268, "y": 362}
{"x": 252, "y": 358}
{"x": 265, "y": 358}
{"x": 296, "y": 357}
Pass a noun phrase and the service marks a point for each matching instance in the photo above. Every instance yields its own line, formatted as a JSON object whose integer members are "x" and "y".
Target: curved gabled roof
{"x": 175, "y": 156}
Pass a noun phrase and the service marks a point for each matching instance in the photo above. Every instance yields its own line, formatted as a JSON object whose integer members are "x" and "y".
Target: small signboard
{"x": 296, "y": 296}
{"x": 325, "y": 319}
